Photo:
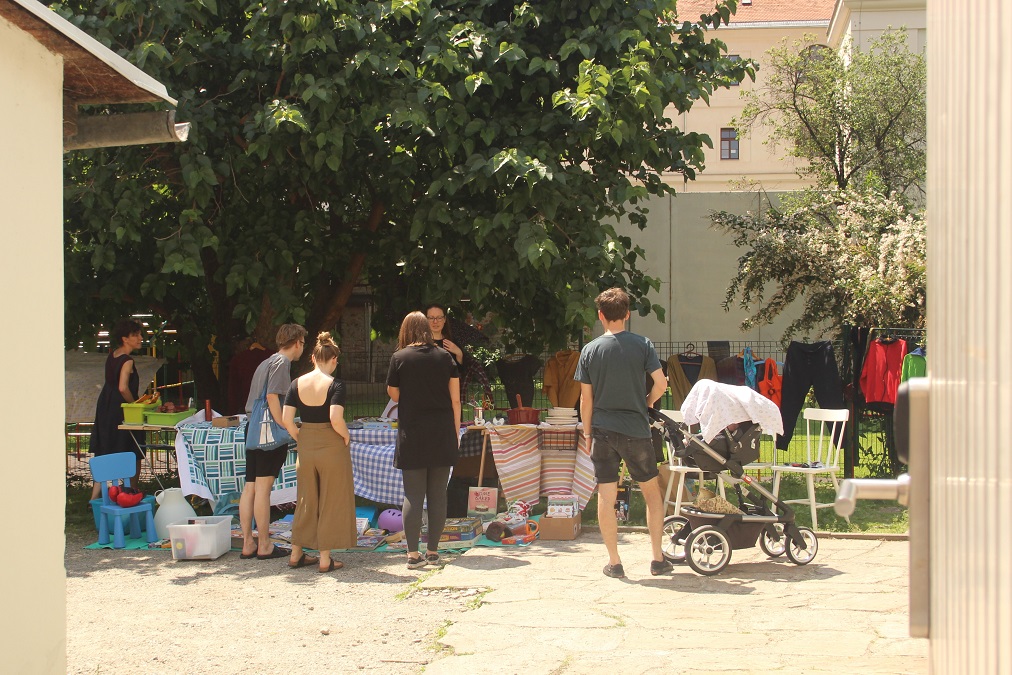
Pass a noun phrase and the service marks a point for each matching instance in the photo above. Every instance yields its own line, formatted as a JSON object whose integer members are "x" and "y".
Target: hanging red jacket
{"x": 880, "y": 377}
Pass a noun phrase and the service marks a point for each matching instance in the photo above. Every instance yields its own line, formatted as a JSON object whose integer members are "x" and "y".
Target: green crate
{"x": 167, "y": 418}
{"x": 133, "y": 413}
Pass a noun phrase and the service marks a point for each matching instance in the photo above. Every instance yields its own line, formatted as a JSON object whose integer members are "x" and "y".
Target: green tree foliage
{"x": 852, "y": 246}
{"x": 846, "y": 114}
{"x": 854, "y": 256}
{"x": 436, "y": 150}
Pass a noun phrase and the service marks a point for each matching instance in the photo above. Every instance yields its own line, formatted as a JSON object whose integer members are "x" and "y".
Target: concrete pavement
{"x": 551, "y": 610}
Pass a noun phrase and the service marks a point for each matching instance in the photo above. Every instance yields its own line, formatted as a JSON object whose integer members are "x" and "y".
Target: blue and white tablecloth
{"x": 212, "y": 461}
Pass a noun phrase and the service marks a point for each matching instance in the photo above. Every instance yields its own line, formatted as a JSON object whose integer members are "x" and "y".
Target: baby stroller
{"x": 732, "y": 419}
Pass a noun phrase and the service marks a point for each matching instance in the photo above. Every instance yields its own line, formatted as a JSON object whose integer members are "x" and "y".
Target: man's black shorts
{"x": 611, "y": 447}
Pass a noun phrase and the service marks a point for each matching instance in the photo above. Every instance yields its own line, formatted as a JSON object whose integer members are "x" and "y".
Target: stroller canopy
{"x": 713, "y": 406}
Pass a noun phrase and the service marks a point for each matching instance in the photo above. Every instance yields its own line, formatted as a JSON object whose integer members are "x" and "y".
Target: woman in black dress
{"x": 121, "y": 386}
{"x": 423, "y": 381}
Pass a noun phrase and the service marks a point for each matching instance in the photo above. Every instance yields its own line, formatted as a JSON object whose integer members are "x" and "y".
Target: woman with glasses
{"x": 436, "y": 316}
{"x": 423, "y": 381}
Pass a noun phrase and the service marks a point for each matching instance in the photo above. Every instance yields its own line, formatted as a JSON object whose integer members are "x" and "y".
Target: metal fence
{"x": 364, "y": 374}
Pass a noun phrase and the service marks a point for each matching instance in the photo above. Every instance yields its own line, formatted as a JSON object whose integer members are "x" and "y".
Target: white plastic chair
{"x": 676, "y": 468}
{"x": 824, "y": 428}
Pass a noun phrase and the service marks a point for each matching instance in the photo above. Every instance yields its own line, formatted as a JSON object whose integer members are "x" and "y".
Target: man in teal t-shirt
{"x": 613, "y": 407}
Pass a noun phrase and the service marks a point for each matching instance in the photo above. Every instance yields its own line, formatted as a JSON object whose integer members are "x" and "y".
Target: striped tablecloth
{"x": 541, "y": 460}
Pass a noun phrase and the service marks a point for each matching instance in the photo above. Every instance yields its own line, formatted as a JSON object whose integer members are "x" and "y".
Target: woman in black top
{"x": 325, "y": 501}
{"x": 423, "y": 381}
{"x": 121, "y": 386}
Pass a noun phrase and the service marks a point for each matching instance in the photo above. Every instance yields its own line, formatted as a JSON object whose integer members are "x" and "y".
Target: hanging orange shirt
{"x": 560, "y": 387}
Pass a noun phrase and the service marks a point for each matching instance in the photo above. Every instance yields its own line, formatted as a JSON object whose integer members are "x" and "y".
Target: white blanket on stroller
{"x": 713, "y": 406}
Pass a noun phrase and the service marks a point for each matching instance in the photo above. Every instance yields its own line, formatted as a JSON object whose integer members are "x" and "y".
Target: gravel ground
{"x": 140, "y": 611}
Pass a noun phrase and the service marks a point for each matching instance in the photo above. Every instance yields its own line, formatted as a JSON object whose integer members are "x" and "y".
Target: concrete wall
{"x": 970, "y": 329}
{"x": 695, "y": 264}
{"x": 31, "y": 275}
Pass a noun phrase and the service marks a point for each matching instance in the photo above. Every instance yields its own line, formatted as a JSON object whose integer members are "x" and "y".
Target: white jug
{"x": 172, "y": 508}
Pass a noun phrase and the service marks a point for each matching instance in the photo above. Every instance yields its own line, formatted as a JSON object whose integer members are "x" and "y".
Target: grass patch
{"x": 415, "y": 585}
{"x": 441, "y": 632}
{"x": 478, "y": 600}
{"x": 870, "y": 516}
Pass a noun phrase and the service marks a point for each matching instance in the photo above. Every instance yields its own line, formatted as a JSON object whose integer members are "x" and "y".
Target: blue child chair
{"x": 114, "y": 467}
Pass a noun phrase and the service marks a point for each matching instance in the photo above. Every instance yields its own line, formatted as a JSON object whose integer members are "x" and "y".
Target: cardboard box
{"x": 559, "y": 529}
{"x": 223, "y": 421}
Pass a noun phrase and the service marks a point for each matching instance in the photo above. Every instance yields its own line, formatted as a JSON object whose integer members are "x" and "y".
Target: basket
{"x": 739, "y": 534}
{"x": 523, "y": 415}
{"x": 133, "y": 413}
{"x": 168, "y": 418}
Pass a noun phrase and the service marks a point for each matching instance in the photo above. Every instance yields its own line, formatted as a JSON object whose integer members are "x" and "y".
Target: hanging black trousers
{"x": 807, "y": 366}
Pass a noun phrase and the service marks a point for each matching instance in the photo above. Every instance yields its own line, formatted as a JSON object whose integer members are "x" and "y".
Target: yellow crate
{"x": 133, "y": 413}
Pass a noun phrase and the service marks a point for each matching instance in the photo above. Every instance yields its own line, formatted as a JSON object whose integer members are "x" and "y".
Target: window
{"x": 735, "y": 58}
{"x": 728, "y": 143}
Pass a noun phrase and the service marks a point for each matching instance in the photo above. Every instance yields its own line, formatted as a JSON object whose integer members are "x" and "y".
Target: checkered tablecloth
{"x": 372, "y": 456}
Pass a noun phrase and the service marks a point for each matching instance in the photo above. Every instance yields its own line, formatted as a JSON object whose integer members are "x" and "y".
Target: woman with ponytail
{"x": 325, "y": 508}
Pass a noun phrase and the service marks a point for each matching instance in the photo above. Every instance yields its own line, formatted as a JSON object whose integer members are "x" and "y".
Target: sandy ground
{"x": 142, "y": 612}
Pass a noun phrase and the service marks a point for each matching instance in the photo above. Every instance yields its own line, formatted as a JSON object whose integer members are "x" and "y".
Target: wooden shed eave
{"x": 92, "y": 73}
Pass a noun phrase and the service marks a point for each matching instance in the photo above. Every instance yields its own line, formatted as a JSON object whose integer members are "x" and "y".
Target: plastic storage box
{"x": 167, "y": 418}
{"x": 201, "y": 538}
{"x": 133, "y": 413}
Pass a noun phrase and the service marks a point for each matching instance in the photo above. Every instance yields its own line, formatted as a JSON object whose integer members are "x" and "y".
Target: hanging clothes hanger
{"x": 689, "y": 353}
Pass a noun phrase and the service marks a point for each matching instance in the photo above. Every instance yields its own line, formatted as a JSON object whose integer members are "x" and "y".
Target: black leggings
{"x": 420, "y": 484}
{"x": 806, "y": 366}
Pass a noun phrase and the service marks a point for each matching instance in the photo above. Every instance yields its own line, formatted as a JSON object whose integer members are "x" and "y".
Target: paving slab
{"x": 548, "y": 608}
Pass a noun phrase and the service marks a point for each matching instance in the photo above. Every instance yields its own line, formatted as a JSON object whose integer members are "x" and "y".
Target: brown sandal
{"x": 334, "y": 565}
{"x": 304, "y": 561}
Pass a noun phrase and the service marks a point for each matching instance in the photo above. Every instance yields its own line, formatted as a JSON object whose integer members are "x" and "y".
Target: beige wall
{"x": 31, "y": 276}
{"x": 864, "y": 20}
{"x": 757, "y": 161}
{"x": 695, "y": 263}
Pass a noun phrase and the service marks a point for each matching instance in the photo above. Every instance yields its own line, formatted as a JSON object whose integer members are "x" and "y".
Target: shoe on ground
{"x": 417, "y": 563}
{"x": 433, "y": 559}
{"x": 659, "y": 567}
{"x": 614, "y": 571}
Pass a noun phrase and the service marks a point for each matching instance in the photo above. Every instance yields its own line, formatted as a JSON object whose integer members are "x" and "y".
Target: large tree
{"x": 845, "y": 114}
{"x": 435, "y": 149}
{"x": 852, "y": 245}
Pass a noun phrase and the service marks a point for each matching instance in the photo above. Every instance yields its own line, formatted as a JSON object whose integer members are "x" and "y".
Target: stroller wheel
{"x": 707, "y": 550}
{"x": 773, "y": 542}
{"x": 803, "y": 556}
{"x": 676, "y": 530}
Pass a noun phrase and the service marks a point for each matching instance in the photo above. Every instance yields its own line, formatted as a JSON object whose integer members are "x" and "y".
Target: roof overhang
{"x": 92, "y": 73}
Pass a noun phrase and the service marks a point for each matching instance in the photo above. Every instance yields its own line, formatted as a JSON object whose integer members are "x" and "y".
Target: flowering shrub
{"x": 853, "y": 256}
